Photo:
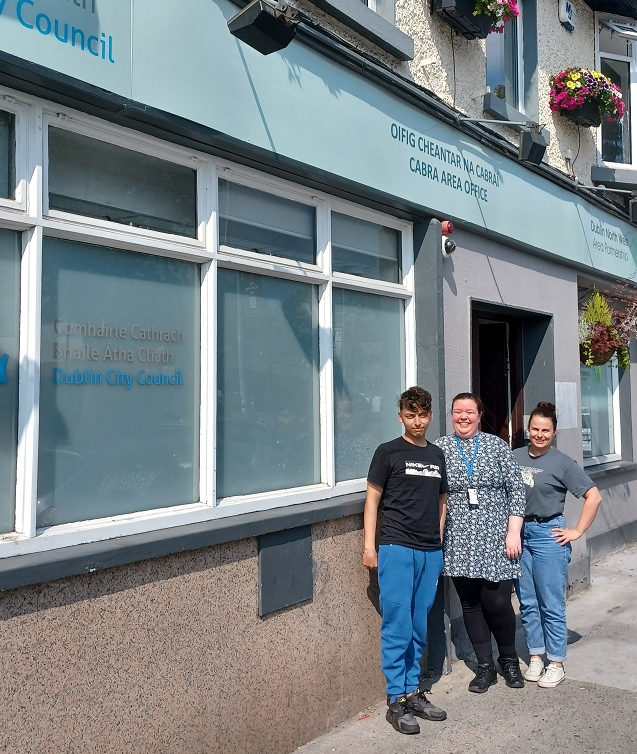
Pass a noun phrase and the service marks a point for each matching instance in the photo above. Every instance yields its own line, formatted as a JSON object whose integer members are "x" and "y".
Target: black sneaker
{"x": 485, "y": 677}
{"x": 510, "y": 667}
{"x": 399, "y": 714}
{"x": 422, "y": 707}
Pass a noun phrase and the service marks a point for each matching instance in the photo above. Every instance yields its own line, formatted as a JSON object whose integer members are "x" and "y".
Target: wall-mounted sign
{"x": 567, "y": 14}
{"x": 86, "y": 39}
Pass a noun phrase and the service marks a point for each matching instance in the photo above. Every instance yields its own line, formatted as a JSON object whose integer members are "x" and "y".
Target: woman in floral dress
{"x": 482, "y": 545}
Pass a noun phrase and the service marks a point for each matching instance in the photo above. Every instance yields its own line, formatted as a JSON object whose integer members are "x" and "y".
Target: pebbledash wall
{"x": 181, "y": 513}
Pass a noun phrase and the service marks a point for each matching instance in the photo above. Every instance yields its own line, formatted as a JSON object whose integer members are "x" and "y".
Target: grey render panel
{"x": 538, "y": 360}
{"x": 620, "y": 178}
{"x": 285, "y": 569}
{"x": 429, "y": 319}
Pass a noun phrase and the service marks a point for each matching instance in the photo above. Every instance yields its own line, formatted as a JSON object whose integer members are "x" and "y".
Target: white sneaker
{"x": 535, "y": 669}
{"x": 552, "y": 677}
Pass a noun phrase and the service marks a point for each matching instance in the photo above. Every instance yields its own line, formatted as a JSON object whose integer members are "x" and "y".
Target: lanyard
{"x": 464, "y": 457}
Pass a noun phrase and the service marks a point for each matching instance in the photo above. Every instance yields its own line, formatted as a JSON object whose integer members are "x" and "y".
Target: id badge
{"x": 473, "y": 497}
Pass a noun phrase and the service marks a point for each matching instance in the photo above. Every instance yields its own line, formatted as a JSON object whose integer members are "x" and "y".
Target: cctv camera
{"x": 448, "y": 247}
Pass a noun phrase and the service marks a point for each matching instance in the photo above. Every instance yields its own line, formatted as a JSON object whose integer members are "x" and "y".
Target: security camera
{"x": 448, "y": 247}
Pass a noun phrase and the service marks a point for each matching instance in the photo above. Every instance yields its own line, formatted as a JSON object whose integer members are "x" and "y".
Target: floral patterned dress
{"x": 474, "y": 540}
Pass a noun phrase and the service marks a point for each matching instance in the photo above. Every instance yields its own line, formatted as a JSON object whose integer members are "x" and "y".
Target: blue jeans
{"x": 541, "y": 589}
{"x": 408, "y": 580}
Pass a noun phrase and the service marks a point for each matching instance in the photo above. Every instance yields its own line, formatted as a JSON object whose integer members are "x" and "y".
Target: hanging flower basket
{"x": 597, "y": 358}
{"x": 474, "y": 19}
{"x": 601, "y": 333}
{"x": 585, "y": 97}
{"x": 586, "y": 115}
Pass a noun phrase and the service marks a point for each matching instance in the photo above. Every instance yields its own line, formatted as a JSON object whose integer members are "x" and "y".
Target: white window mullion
{"x": 617, "y": 427}
{"x": 29, "y": 390}
{"x": 326, "y": 345}
{"x": 207, "y": 210}
{"x": 411, "y": 367}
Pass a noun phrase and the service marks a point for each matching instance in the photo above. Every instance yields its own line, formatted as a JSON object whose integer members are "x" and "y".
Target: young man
{"x": 408, "y": 476}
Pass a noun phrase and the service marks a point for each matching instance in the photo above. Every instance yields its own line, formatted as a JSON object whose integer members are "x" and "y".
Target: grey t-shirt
{"x": 547, "y": 479}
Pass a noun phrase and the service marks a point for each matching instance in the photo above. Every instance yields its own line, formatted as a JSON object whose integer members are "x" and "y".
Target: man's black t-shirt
{"x": 412, "y": 477}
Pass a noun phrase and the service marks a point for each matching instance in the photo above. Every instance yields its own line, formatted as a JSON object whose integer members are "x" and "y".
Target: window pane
{"x": 616, "y": 136}
{"x": 369, "y": 376}
{"x": 119, "y": 404}
{"x": 614, "y": 44}
{"x": 267, "y": 400}
{"x": 7, "y": 155}
{"x": 598, "y": 417}
{"x": 9, "y": 354}
{"x": 256, "y": 221}
{"x": 365, "y": 249}
{"x": 502, "y": 64}
{"x": 93, "y": 178}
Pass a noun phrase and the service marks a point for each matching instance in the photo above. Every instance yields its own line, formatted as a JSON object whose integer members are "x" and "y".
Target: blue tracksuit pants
{"x": 408, "y": 580}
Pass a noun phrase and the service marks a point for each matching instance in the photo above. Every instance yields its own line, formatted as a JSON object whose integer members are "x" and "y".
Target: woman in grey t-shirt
{"x": 546, "y": 543}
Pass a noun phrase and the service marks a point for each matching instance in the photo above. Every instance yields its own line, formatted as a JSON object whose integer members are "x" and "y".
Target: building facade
{"x": 218, "y": 270}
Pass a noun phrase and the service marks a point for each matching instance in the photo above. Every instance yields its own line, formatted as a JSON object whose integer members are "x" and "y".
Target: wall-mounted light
{"x": 532, "y": 147}
{"x": 533, "y": 142}
{"x": 264, "y": 27}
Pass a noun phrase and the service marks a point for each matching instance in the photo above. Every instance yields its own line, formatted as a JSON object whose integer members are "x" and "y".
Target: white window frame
{"x": 617, "y": 435}
{"x": 35, "y": 221}
{"x": 632, "y": 60}
{"x": 9, "y": 208}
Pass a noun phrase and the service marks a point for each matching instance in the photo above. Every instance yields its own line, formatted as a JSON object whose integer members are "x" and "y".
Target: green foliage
{"x": 597, "y": 310}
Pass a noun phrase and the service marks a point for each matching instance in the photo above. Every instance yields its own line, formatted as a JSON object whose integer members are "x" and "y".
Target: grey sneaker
{"x": 422, "y": 707}
{"x": 399, "y": 714}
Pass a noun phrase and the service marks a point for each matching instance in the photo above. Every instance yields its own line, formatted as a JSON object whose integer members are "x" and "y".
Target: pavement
{"x": 594, "y": 711}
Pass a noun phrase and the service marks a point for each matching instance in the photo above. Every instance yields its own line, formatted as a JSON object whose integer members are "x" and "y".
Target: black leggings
{"x": 487, "y": 609}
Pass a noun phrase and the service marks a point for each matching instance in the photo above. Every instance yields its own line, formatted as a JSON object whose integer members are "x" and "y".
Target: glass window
{"x": 7, "y": 155}
{"x": 614, "y": 44}
{"x": 93, "y": 178}
{"x": 267, "y": 400}
{"x": 256, "y": 221}
{"x": 503, "y": 65}
{"x": 599, "y": 420}
{"x": 368, "y": 376}
{"x": 119, "y": 402}
{"x": 616, "y": 136}
{"x": 9, "y": 354}
{"x": 365, "y": 249}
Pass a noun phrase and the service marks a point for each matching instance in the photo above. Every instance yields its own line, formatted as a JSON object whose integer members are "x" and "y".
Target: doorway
{"x": 497, "y": 374}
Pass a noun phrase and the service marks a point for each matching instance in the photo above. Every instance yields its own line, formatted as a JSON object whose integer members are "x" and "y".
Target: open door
{"x": 497, "y": 374}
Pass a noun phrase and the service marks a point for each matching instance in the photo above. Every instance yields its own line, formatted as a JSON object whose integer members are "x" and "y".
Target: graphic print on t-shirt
{"x": 528, "y": 472}
{"x": 415, "y": 468}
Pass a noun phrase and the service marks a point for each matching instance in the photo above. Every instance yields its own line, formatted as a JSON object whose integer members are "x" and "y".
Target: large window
{"x": 368, "y": 367}
{"x": 267, "y": 389}
{"x": 119, "y": 383}
{"x": 95, "y": 178}
{"x": 601, "y": 439}
{"x": 616, "y": 59}
{"x": 186, "y": 339}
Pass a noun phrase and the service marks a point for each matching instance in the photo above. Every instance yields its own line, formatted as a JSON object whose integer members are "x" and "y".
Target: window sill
{"x": 501, "y": 110}
{"x": 620, "y": 178}
{"x": 41, "y": 567}
{"x": 367, "y": 23}
{"x": 612, "y": 468}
